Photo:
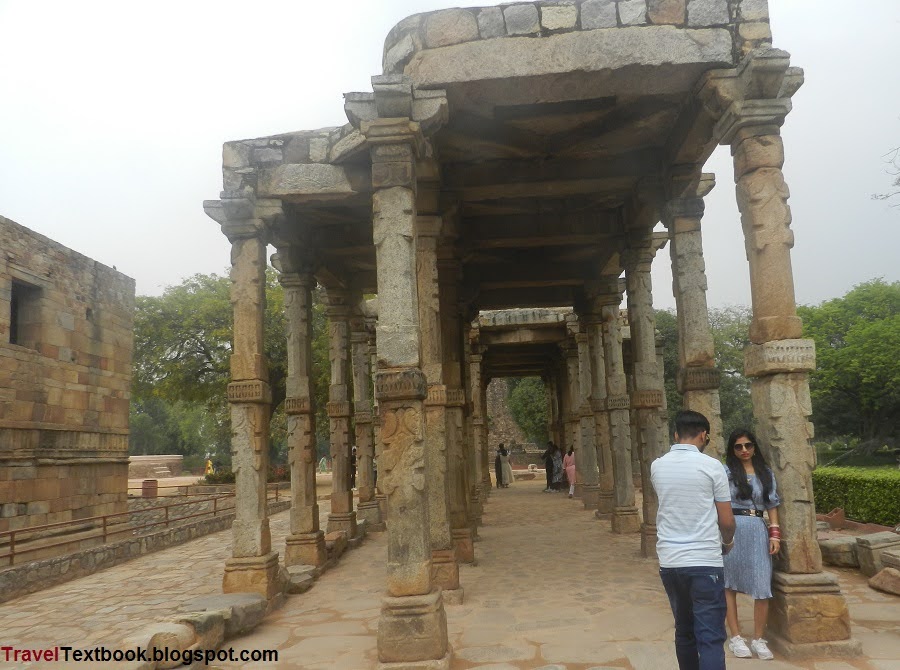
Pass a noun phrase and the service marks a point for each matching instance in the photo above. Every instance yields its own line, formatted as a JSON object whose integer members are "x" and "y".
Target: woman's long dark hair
{"x": 739, "y": 475}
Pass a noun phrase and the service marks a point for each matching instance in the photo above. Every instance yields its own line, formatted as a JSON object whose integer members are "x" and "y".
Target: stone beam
{"x": 313, "y": 182}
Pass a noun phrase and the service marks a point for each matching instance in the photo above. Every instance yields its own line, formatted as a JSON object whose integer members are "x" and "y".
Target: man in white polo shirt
{"x": 694, "y": 528}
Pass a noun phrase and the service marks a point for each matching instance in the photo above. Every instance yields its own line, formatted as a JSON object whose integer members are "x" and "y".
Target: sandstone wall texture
{"x": 65, "y": 375}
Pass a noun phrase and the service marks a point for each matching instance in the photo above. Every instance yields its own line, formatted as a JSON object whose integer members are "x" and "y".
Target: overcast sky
{"x": 112, "y": 117}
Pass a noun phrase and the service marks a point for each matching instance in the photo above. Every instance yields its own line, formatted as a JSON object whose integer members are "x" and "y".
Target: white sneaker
{"x": 739, "y": 648}
{"x": 761, "y": 649}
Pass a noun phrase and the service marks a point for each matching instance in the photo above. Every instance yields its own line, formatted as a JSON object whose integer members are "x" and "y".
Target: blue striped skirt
{"x": 748, "y": 567}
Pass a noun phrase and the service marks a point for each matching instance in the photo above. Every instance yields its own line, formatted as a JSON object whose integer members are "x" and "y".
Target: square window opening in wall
{"x": 25, "y": 315}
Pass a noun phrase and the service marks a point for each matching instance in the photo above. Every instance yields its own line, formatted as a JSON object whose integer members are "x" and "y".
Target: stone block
{"x": 598, "y": 14}
{"x": 241, "y": 612}
{"x": 336, "y": 544}
{"x": 412, "y": 628}
{"x": 522, "y": 20}
{"x": 162, "y": 636}
{"x": 490, "y": 23}
{"x": 757, "y": 31}
{"x": 670, "y": 12}
{"x": 300, "y": 579}
{"x": 209, "y": 627}
{"x": 451, "y": 26}
{"x": 887, "y": 580}
{"x": 891, "y": 559}
{"x": 256, "y": 574}
{"x": 781, "y": 356}
{"x": 702, "y": 13}
{"x": 754, "y": 10}
{"x": 870, "y": 548}
{"x": 559, "y": 17}
{"x": 840, "y": 552}
{"x": 633, "y": 12}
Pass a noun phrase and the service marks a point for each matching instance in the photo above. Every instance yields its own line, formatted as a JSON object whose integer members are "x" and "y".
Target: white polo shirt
{"x": 688, "y": 484}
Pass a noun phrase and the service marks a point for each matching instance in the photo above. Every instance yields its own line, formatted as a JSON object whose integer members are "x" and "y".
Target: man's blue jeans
{"x": 697, "y": 597}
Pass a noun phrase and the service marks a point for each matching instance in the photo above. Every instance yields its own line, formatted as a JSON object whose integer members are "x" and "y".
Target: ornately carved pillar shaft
{"x": 305, "y": 545}
{"x": 363, "y": 422}
{"x": 601, "y": 419}
{"x": 625, "y": 517}
{"x": 590, "y": 493}
{"x": 413, "y": 625}
{"x": 444, "y": 568}
{"x": 573, "y": 409}
{"x": 342, "y": 516}
{"x": 698, "y": 378}
{"x": 647, "y": 396}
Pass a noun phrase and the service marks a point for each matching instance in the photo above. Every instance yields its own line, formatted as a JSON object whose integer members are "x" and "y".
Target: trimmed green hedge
{"x": 868, "y": 495}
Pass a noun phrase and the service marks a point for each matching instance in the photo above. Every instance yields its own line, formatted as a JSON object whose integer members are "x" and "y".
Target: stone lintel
{"x": 405, "y": 384}
{"x": 250, "y": 391}
{"x": 297, "y": 405}
{"x": 338, "y": 409}
{"x": 698, "y": 379}
{"x": 648, "y": 399}
{"x": 779, "y": 356}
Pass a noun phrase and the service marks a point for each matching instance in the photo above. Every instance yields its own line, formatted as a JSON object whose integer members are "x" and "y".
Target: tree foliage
{"x": 182, "y": 350}
{"x": 856, "y": 385}
{"x": 530, "y": 409}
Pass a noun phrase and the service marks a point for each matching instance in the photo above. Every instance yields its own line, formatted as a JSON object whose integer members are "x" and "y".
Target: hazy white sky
{"x": 112, "y": 117}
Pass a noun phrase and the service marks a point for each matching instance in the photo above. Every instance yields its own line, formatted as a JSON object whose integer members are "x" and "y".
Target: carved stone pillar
{"x": 363, "y": 420}
{"x": 625, "y": 517}
{"x": 483, "y": 448}
{"x": 473, "y": 461}
{"x": 452, "y": 342}
{"x": 606, "y": 480}
{"x": 573, "y": 411}
{"x": 412, "y": 630}
{"x": 647, "y": 396}
{"x": 555, "y": 432}
{"x": 479, "y": 430}
{"x": 809, "y": 614}
{"x": 253, "y": 566}
{"x": 590, "y": 493}
{"x": 698, "y": 378}
{"x": 380, "y": 497}
{"x": 444, "y": 568}
{"x": 305, "y": 545}
{"x": 342, "y": 516}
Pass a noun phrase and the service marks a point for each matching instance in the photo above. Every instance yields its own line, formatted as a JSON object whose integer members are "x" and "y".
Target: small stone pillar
{"x": 367, "y": 509}
{"x": 809, "y": 615}
{"x": 606, "y": 480}
{"x": 479, "y": 436}
{"x": 698, "y": 378}
{"x": 305, "y": 545}
{"x": 253, "y": 566}
{"x": 342, "y": 516}
{"x": 590, "y": 492}
{"x": 648, "y": 394}
{"x": 412, "y": 630}
{"x": 625, "y": 518}
{"x": 444, "y": 568}
{"x": 573, "y": 409}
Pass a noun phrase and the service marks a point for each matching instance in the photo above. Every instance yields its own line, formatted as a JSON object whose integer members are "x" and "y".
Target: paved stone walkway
{"x": 553, "y": 588}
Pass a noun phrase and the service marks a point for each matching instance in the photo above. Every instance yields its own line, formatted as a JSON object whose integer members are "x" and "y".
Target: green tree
{"x": 667, "y": 329}
{"x": 856, "y": 384}
{"x": 730, "y": 328}
{"x": 529, "y": 408}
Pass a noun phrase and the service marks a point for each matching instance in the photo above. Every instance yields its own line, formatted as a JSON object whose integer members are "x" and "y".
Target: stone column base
{"x": 626, "y": 520}
{"x": 412, "y": 629}
{"x": 444, "y": 569}
{"x": 648, "y": 540}
{"x": 342, "y": 522}
{"x": 463, "y": 544}
{"x": 381, "y": 499}
{"x": 370, "y": 512}
{"x": 835, "y": 649}
{"x": 590, "y": 496}
{"x": 605, "y": 502}
{"x": 253, "y": 574}
{"x": 579, "y": 489}
{"x": 305, "y": 549}
{"x": 439, "y": 664}
{"x": 807, "y": 612}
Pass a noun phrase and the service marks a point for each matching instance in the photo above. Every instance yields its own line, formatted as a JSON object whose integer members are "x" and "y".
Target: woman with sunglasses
{"x": 748, "y": 568}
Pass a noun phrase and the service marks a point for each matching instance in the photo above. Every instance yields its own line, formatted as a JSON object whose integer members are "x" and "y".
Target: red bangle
{"x": 775, "y": 533}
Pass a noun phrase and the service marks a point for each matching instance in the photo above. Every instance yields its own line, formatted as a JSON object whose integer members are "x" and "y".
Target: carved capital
{"x": 648, "y": 399}
{"x": 408, "y": 384}
{"x": 295, "y": 405}
{"x": 254, "y": 390}
{"x": 780, "y": 356}
{"x": 698, "y": 379}
{"x": 684, "y": 208}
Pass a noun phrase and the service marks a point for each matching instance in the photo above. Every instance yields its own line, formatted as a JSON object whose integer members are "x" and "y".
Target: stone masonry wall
{"x": 65, "y": 375}
{"x": 747, "y": 20}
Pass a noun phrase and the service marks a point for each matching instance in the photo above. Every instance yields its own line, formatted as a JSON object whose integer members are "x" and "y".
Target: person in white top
{"x": 694, "y": 529}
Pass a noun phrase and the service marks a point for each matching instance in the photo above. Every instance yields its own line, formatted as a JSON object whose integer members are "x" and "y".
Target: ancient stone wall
{"x": 65, "y": 375}
{"x": 746, "y": 20}
{"x": 501, "y": 425}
